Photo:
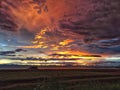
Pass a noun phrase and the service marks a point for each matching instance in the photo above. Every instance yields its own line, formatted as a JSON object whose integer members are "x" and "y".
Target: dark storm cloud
{"x": 101, "y": 21}
{"x": 19, "y": 50}
{"x": 65, "y": 55}
{"x": 7, "y": 52}
{"x": 6, "y": 21}
{"x": 69, "y": 55}
{"x": 103, "y": 46}
{"x": 98, "y": 24}
{"x": 11, "y": 53}
{"x": 87, "y": 22}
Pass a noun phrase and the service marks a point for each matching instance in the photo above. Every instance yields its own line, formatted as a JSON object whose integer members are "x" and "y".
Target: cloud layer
{"x": 60, "y": 27}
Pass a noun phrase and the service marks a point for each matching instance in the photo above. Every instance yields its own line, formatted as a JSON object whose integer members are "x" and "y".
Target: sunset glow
{"x": 58, "y": 32}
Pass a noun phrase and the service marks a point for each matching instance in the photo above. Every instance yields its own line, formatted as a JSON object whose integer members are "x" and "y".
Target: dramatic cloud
{"x": 60, "y": 28}
{"x": 72, "y": 55}
{"x": 7, "y": 52}
{"x": 98, "y": 20}
{"x": 19, "y": 50}
{"x": 11, "y": 53}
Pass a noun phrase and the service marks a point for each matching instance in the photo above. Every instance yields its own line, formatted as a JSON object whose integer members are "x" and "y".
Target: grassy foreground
{"x": 80, "y": 79}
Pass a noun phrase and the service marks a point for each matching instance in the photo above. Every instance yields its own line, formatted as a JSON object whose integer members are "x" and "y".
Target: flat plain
{"x": 60, "y": 79}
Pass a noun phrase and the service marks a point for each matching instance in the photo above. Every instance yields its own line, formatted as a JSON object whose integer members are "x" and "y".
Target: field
{"x": 60, "y": 79}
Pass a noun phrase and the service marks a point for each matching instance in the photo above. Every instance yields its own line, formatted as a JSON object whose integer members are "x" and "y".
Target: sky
{"x": 60, "y": 32}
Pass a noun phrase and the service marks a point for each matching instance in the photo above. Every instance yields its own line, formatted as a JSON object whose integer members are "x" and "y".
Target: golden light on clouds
{"x": 65, "y": 42}
{"x": 73, "y": 52}
{"x": 41, "y": 41}
{"x": 62, "y": 30}
{"x": 35, "y": 15}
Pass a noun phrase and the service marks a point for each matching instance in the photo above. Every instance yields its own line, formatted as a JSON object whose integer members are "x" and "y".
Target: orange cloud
{"x": 35, "y": 15}
{"x": 65, "y": 42}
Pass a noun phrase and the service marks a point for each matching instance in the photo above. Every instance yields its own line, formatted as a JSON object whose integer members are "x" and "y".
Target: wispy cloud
{"x": 11, "y": 53}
